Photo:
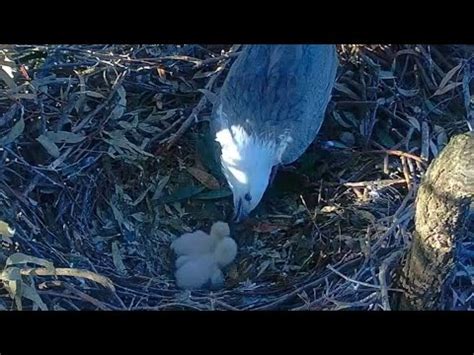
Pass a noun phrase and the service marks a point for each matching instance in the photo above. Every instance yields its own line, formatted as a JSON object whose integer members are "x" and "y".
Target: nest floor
{"x": 105, "y": 159}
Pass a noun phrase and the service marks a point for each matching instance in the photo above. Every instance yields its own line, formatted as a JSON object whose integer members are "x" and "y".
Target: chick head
{"x": 220, "y": 230}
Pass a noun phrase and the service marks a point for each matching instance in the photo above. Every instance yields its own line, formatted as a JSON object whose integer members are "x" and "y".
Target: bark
{"x": 442, "y": 205}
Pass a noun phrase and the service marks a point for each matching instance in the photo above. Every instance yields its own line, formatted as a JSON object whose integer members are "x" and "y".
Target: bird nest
{"x": 105, "y": 160}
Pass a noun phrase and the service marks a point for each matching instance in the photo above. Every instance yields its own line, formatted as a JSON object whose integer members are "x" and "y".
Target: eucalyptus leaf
{"x": 20, "y": 258}
{"x": 30, "y": 293}
{"x": 49, "y": 145}
{"x": 14, "y": 133}
{"x": 64, "y": 137}
{"x": 182, "y": 194}
{"x": 214, "y": 194}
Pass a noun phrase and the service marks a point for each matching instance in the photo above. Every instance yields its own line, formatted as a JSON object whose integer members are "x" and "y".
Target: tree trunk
{"x": 442, "y": 206}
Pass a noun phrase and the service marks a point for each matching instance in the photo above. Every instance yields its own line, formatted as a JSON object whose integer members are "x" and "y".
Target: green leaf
{"x": 64, "y": 137}
{"x": 142, "y": 196}
{"x": 182, "y": 194}
{"x": 207, "y": 149}
{"x": 344, "y": 89}
{"x": 339, "y": 119}
{"x": 14, "y": 133}
{"x": 119, "y": 109}
{"x": 139, "y": 216}
{"x": 307, "y": 161}
{"x": 94, "y": 94}
{"x": 50, "y": 147}
{"x": 432, "y": 108}
{"x": 145, "y": 127}
{"x": 347, "y": 138}
{"x": 118, "y": 215}
{"x": 159, "y": 188}
{"x": 214, "y": 194}
{"x": 414, "y": 122}
{"x": 210, "y": 96}
{"x": 118, "y": 140}
{"x": 384, "y": 139}
{"x": 385, "y": 75}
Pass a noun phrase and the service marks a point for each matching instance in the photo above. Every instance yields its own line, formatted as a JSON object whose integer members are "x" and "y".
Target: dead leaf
{"x": 25, "y": 96}
{"x": 448, "y": 76}
{"x": 343, "y": 88}
{"x": 8, "y": 65}
{"x": 267, "y": 228}
{"x": 161, "y": 73}
{"x": 365, "y": 215}
{"x": 104, "y": 281}
{"x": 139, "y": 216}
{"x": 263, "y": 266}
{"x": 6, "y": 230}
{"x": 408, "y": 93}
{"x": 117, "y": 259}
{"x": 7, "y": 79}
{"x": 204, "y": 178}
{"x": 414, "y": 122}
{"x": 20, "y": 258}
{"x": 13, "y": 282}
{"x": 447, "y": 88}
{"x": 30, "y": 293}
{"x": 328, "y": 209}
{"x": 94, "y": 94}
{"x": 6, "y": 240}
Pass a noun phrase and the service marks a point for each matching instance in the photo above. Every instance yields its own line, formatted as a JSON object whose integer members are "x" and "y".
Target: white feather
{"x": 247, "y": 161}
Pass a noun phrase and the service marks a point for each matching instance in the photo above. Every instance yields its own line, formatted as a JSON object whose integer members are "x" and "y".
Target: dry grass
{"x": 105, "y": 159}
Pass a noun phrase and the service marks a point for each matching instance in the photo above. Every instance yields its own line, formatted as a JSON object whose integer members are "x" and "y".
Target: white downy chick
{"x": 226, "y": 251}
{"x": 183, "y": 259}
{"x": 220, "y": 230}
{"x": 199, "y": 242}
{"x": 198, "y": 271}
{"x": 194, "y": 243}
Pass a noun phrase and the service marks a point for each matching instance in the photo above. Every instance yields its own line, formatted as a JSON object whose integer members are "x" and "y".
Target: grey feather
{"x": 278, "y": 91}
